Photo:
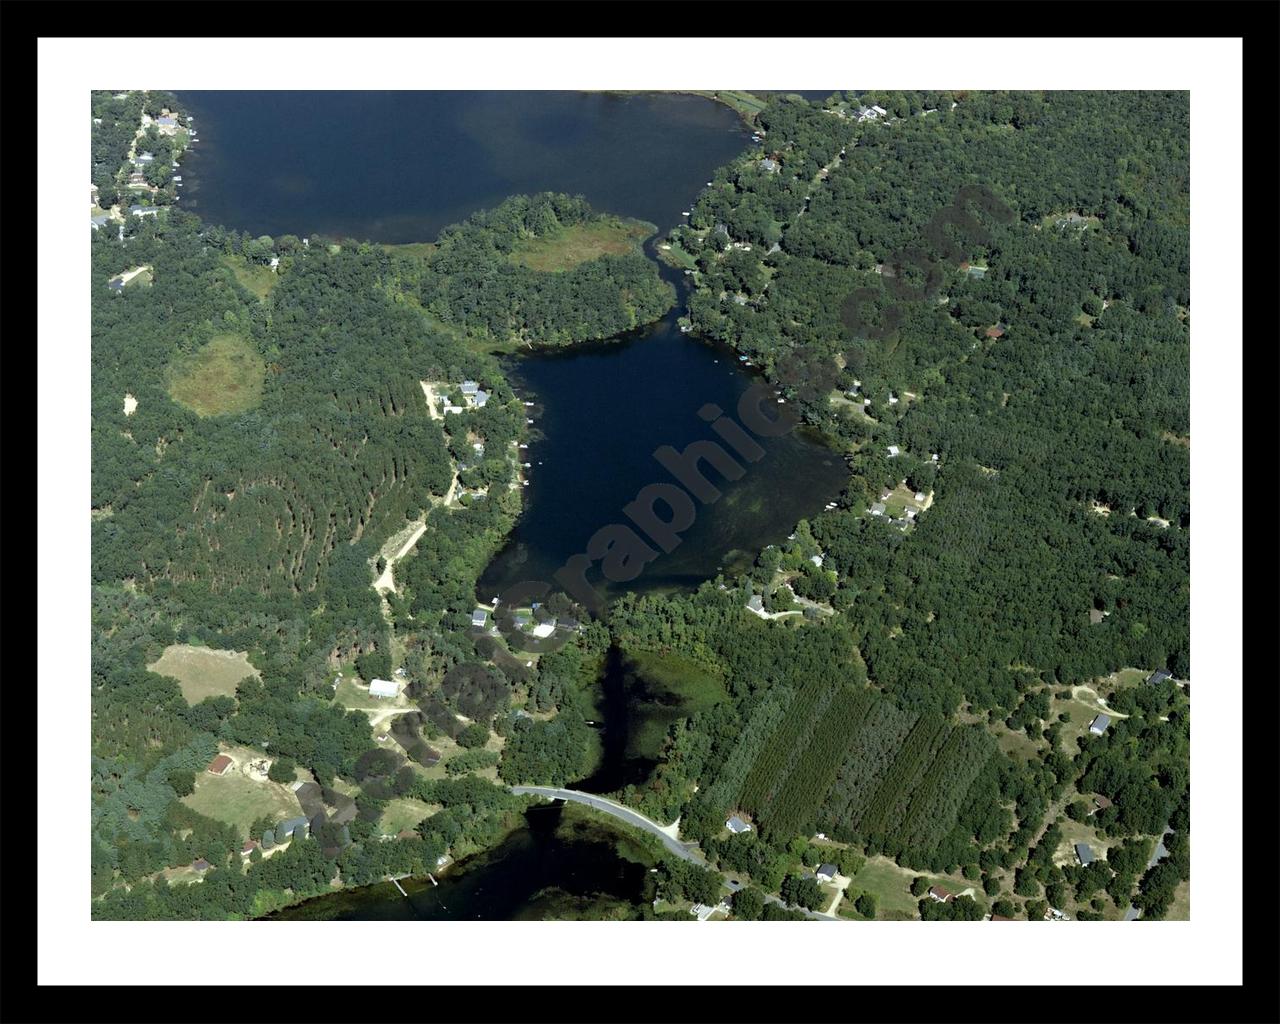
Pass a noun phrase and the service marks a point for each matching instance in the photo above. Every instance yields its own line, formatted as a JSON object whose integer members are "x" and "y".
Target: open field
{"x": 353, "y": 694}
{"x": 402, "y": 813}
{"x": 202, "y": 671}
{"x": 565, "y": 248}
{"x": 889, "y": 885}
{"x": 1078, "y": 832}
{"x": 224, "y": 376}
{"x": 418, "y": 250}
{"x": 240, "y": 800}
{"x": 255, "y": 277}
{"x": 1180, "y": 908}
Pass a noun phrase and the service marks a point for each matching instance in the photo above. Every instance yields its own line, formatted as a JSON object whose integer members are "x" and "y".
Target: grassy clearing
{"x": 402, "y": 813}
{"x": 203, "y": 672}
{"x": 142, "y": 280}
{"x": 255, "y": 277}
{"x": 416, "y": 250}
{"x": 223, "y": 377}
{"x": 1078, "y": 832}
{"x": 239, "y": 800}
{"x": 692, "y": 682}
{"x": 1180, "y": 908}
{"x": 890, "y": 887}
{"x": 568, "y": 247}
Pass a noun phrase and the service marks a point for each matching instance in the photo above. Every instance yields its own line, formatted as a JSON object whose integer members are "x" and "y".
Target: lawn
{"x": 203, "y": 672}
{"x": 141, "y": 280}
{"x": 255, "y": 277}
{"x": 565, "y": 248}
{"x": 351, "y": 693}
{"x": 1078, "y": 832}
{"x": 224, "y": 376}
{"x": 239, "y": 800}
{"x": 1180, "y": 908}
{"x": 892, "y": 889}
{"x": 402, "y": 813}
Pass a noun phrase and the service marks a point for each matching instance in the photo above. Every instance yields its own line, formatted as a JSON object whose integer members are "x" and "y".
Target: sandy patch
{"x": 130, "y": 404}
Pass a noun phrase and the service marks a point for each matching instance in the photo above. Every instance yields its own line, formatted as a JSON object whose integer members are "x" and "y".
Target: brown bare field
{"x": 202, "y": 671}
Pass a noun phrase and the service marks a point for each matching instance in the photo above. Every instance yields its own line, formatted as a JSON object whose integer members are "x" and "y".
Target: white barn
{"x": 383, "y": 688}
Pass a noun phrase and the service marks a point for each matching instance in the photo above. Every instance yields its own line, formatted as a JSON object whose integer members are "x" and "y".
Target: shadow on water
{"x": 558, "y": 867}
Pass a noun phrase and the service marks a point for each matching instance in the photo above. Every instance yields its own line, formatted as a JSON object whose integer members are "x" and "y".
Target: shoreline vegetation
{"x": 745, "y": 104}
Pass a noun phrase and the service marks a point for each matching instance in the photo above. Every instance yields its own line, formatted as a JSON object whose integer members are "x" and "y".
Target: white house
{"x": 919, "y": 495}
{"x": 893, "y": 451}
{"x": 543, "y": 629}
{"x": 816, "y": 560}
{"x": 479, "y": 616}
{"x": 383, "y": 688}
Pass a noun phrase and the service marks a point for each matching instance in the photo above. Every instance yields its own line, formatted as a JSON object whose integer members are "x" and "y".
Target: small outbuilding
{"x": 1099, "y": 725}
{"x": 1084, "y": 854}
{"x": 219, "y": 765}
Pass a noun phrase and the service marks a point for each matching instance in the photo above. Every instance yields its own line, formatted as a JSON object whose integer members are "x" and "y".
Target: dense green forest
{"x": 472, "y": 281}
{"x": 253, "y": 451}
{"x": 996, "y": 285}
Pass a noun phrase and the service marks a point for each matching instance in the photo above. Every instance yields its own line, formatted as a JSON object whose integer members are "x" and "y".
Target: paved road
{"x": 685, "y": 851}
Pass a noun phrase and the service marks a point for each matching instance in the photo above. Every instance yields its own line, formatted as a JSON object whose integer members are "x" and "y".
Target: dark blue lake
{"x": 398, "y": 167}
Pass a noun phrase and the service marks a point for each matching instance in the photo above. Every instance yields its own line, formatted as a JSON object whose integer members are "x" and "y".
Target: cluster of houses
{"x": 525, "y": 622}
{"x": 473, "y": 397}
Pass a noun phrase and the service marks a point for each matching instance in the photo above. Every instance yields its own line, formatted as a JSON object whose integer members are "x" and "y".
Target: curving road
{"x": 685, "y": 851}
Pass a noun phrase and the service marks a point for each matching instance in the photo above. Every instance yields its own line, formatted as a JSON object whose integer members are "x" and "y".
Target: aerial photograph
{"x": 702, "y": 506}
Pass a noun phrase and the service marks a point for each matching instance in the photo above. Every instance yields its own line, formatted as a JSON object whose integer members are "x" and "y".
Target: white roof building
{"x": 383, "y": 688}
{"x": 543, "y": 629}
{"x": 479, "y": 616}
{"x": 893, "y": 451}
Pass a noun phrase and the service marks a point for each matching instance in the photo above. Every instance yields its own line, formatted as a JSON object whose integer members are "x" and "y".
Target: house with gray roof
{"x": 1157, "y": 677}
{"x": 878, "y": 508}
{"x": 479, "y": 617}
{"x": 144, "y": 211}
{"x": 736, "y": 825}
{"x": 469, "y": 387}
{"x": 826, "y": 872}
{"x": 288, "y": 828}
{"x": 1084, "y": 854}
{"x": 481, "y": 399}
{"x": 755, "y": 604}
{"x": 1099, "y": 724}
{"x": 768, "y": 166}
{"x": 99, "y": 221}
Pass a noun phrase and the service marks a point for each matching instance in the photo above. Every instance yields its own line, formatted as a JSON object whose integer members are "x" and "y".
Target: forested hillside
{"x": 985, "y": 299}
{"x": 260, "y": 434}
